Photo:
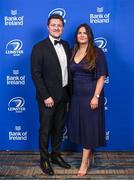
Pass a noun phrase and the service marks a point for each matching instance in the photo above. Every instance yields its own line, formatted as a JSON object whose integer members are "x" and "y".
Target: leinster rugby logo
{"x": 64, "y": 134}
{"x": 16, "y": 104}
{"x": 59, "y": 11}
{"x": 14, "y": 47}
{"x": 105, "y": 103}
{"x": 100, "y": 42}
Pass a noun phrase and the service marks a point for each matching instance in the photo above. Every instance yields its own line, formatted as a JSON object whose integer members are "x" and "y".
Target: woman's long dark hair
{"x": 91, "y": 52}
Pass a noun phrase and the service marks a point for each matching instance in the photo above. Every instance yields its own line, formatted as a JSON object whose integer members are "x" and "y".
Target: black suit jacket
{"x": 46, "y": 70}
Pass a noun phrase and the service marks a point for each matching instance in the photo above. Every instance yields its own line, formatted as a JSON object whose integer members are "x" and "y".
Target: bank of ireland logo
{"x": 15, "y": 79}
{"x": 13, "y": 19}
{"x": 16, "y": 104}
{"x": 99, "y": 17}
{"x": 14, "y": 12}
{"x": 17, "y": 134}
{"x": 14, "y": 47}
{"x": 101, "y": 43}
{"x": 59, "y": 11}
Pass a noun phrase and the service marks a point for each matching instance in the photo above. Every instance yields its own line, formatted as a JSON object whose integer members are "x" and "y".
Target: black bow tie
{"x": 56, "y": 42}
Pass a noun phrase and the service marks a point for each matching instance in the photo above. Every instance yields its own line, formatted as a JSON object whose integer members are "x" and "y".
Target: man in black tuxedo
{"x": 50, "y": 73}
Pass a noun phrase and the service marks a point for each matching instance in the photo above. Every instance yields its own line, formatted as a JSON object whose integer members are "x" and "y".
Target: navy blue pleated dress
{"x": 87, "y": 126}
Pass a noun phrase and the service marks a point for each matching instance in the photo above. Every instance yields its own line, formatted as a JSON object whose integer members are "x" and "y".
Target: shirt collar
{"x": 52, "y": 39}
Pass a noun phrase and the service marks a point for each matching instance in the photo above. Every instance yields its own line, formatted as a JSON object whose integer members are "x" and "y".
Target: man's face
{"x": 55, "y": 28}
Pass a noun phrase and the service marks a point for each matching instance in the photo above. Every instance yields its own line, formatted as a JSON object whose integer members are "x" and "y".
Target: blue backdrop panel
{"x": 23, "y": 23}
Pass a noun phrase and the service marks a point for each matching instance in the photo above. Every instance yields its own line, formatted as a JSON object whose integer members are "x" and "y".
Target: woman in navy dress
{"x": 86, "y": 114}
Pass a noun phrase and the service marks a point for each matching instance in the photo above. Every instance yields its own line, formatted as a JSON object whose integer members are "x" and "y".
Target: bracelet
{"x": 97, "y": 96}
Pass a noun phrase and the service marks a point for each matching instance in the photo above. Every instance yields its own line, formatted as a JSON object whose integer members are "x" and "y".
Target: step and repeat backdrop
{"x": 24, "y": 23}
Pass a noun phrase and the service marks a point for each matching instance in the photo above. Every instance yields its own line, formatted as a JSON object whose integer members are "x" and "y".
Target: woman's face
{"x": 82, "y": 37}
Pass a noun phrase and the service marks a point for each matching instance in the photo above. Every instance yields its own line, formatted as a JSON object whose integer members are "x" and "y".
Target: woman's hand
{"x": 94, "y": 102}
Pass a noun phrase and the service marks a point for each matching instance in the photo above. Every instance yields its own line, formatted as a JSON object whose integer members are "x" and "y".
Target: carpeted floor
{"x": 108, "y": 165}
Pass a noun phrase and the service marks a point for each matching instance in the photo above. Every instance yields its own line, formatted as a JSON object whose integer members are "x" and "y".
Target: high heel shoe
{"x": 83, "y": 168}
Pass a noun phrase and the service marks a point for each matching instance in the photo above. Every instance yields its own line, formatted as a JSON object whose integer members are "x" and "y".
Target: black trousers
{"x": 52, "y": 121}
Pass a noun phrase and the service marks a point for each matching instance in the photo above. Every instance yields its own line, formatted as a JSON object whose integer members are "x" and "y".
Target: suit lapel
{"x": 52, "y": 49}
{"x": 55, "y": 58}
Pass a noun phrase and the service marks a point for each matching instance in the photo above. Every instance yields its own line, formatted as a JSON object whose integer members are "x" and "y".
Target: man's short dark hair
{"x": 55, "y": 16}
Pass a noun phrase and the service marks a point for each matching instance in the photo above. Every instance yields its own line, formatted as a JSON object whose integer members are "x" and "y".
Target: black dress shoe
{"x": 46, "y": 167}
{"x": 57, "y": 159}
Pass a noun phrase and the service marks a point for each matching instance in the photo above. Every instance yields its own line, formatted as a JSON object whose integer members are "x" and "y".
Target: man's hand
{"x": 49, "y": 102}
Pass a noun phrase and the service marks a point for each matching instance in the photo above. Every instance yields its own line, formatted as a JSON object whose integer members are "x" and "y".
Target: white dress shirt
{"x": 62, "y": 60}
